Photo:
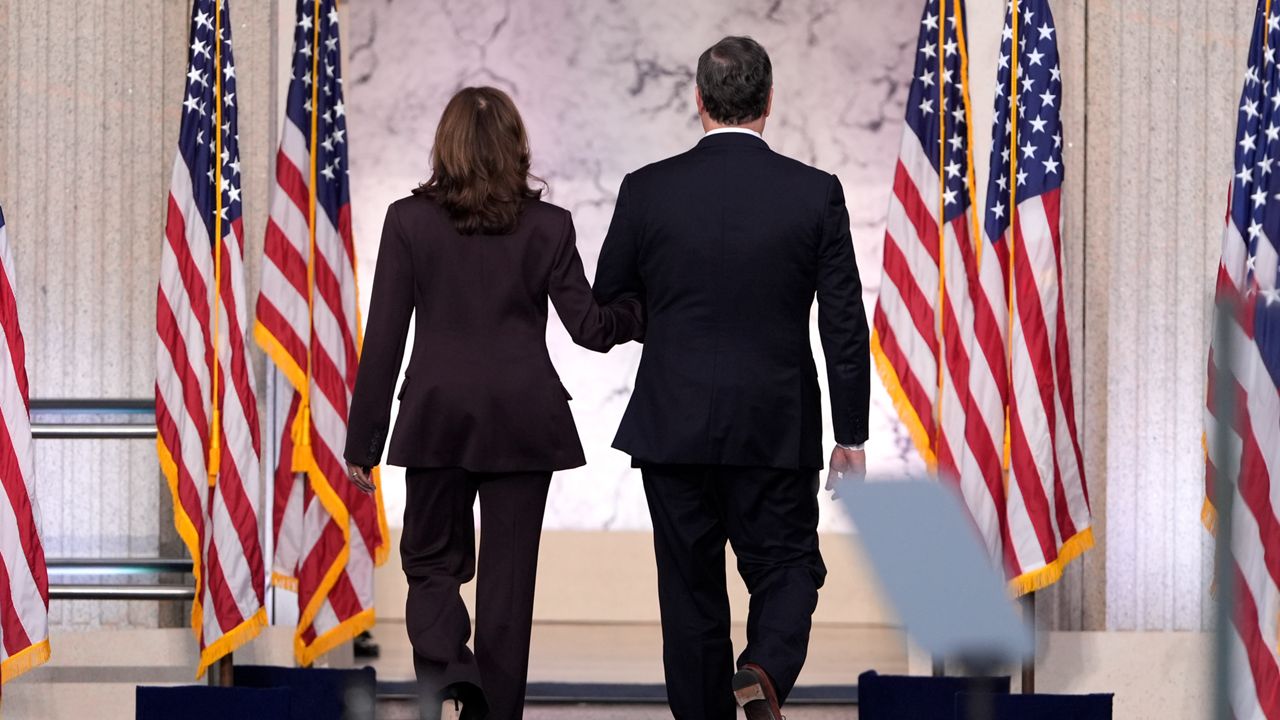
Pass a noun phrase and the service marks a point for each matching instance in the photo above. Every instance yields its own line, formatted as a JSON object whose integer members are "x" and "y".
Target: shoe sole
{"x": 751, "y": 697}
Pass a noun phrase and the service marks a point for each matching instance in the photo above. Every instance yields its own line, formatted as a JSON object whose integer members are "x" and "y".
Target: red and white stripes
{"x": 910, "y": 339}
{"x": 24, "y": 580}
{"x": 986, "y": 395}
{"x": 328, "y": 535}
{"x": 218, "y": 519}
{"x": 1250, "y": 440}
{"x": 206, "y": 405}
{"x": 1048, "y": 504}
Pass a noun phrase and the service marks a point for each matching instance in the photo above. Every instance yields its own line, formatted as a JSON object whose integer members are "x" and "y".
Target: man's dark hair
{"x": 734, "y": 77}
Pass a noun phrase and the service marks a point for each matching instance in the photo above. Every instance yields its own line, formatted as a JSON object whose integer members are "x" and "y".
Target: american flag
{"x": 329, "y": 535}
{"x": 1047, "y": 516}
{"x": 24, "y": 580}
{"x": 925, "y": 313}
{"x": 206, "y": 410}
{"x": 941, "y": 323}
{"x": 1245, "y": 450}
{"x": 922, "y": 352}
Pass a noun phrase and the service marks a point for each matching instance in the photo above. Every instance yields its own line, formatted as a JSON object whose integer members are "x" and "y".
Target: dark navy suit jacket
{"x": 728, "y": 244}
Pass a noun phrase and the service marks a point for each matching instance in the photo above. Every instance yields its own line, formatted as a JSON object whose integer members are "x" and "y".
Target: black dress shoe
{"x": 754, "y": 692}
{"x": 364, "y": 647}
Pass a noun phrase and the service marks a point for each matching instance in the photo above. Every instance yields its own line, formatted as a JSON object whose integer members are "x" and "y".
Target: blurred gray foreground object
{"x": 936, "y": 573}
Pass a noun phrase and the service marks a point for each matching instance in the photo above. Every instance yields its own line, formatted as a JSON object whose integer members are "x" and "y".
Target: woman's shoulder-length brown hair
{"x": 480, "y": 163}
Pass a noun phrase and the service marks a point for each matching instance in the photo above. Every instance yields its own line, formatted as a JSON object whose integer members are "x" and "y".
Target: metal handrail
{"x": 41, "y": 429}
{"x": 81, "y": 591}
{"x": 92, "y": 431}
{"x": 117, "y": 566}
{"x": 221, "y": 673}
{"x": 93, "y": 406}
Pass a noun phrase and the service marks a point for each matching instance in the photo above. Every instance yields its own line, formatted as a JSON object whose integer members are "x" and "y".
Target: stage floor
{"x": 631, "y": 654}
{"x": 612, "y": 658}
{"x": 94, "y": 674}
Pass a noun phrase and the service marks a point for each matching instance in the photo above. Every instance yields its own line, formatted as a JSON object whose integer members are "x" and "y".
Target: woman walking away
{"x": 474, "y": 254}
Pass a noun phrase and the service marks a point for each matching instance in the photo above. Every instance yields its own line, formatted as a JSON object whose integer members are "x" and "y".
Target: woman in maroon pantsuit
{"x": 476, "y": 255}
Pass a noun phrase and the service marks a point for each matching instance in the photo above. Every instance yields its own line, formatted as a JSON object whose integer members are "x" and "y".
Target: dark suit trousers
{"x": 770, "y": 517}
{"x": 438, "y": 553}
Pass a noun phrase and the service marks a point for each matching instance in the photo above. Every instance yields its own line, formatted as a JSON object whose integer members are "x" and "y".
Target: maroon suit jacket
{"x": 480, "y": 392}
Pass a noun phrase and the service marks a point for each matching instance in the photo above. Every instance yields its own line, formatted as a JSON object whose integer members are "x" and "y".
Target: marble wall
{"x": 607, "y": 87}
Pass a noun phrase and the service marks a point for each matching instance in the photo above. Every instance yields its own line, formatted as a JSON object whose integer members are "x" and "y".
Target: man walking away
{"x": 728, "y": 244}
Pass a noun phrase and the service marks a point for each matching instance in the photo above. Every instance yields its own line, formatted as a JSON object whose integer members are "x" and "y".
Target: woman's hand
{"x": 362, "y": 477}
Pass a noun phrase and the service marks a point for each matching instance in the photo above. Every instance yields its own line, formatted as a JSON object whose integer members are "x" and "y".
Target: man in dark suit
{"x": 728, "y": 244}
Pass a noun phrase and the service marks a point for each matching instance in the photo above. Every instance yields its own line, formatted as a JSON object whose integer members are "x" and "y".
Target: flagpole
{"x": 942, "y": 225}
{"x": 939, "y": 663}
{"x": 1013, "y": 209}
{"x": 215, "y": 441}
{"x": 1029, "y": 600}
{"x": 222, "y": 667}
{"x": 302, "y": 443}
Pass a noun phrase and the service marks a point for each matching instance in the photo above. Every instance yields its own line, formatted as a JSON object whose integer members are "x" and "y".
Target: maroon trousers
{"x": 438, "y": 553}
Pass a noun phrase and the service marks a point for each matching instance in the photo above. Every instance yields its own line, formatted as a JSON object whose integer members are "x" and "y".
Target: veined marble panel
{"x": 605, "y": 88}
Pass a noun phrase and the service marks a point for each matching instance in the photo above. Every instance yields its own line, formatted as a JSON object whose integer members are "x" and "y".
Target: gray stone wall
{"x": 1163, "y": 89}
{"x": 604, "y": 89}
